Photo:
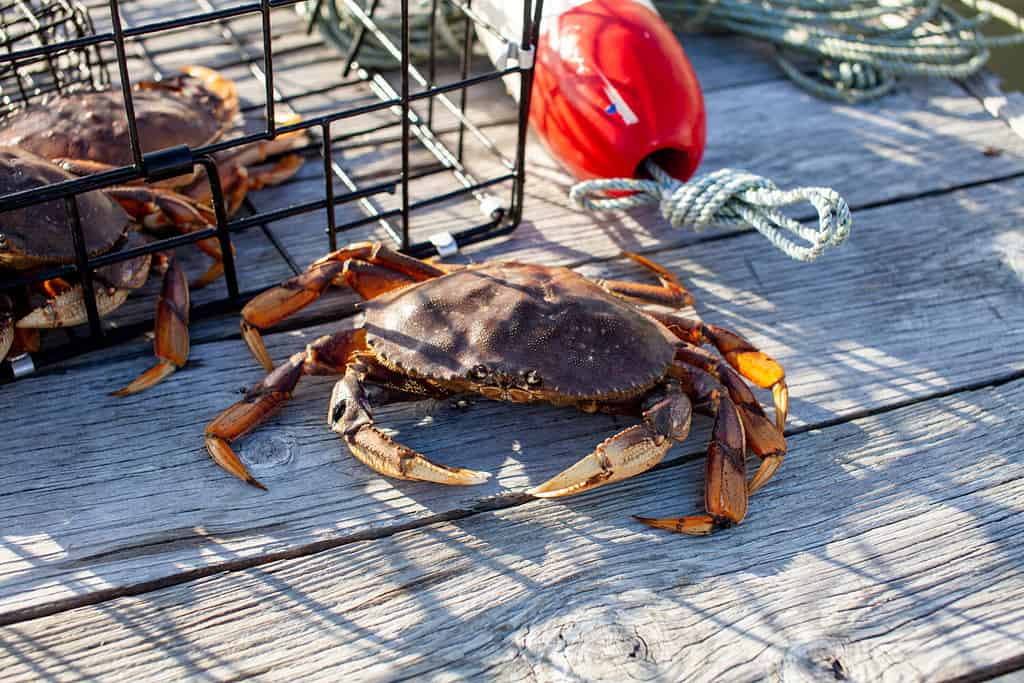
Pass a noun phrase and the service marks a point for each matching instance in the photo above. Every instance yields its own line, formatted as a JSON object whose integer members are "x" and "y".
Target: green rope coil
{"x": 860, "y": 47}
{"x": 728, "y": 197}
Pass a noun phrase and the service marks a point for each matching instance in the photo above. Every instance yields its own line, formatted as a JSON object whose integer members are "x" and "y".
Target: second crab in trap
{"x": 87, "y": 131}
{"x": 522, "y": 333}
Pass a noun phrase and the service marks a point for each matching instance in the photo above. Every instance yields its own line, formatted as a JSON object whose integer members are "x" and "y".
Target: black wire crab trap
{"x": 417, "y": 143}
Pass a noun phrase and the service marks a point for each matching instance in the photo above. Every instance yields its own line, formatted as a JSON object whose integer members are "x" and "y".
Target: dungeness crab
{"x": 86, "y": 131}
{"x": 523, "y": 333}
{"x": 40, "y": 236}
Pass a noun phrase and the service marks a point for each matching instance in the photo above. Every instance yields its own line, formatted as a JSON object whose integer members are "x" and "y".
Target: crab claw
{"x": 756, "y": 366}
{"x": 215, "y": 82}
{"x": 624, "y": 455}
{"x": 383, "y": 454}
{"x": 6, "y": 336}
{"x": 349, "y": 415}
{"x": 68, "y": 309}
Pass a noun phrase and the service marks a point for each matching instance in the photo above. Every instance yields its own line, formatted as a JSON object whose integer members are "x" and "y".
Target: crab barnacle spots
{"x": 541, "y": 326}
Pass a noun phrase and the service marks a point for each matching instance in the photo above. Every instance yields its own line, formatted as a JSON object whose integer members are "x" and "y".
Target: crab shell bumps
{"x": 39, "y": 236}
{"x": 87, "y": 131}
{"x": 522, "y": 333}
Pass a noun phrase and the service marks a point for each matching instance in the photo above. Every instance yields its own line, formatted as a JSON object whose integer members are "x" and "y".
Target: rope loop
{"x": 860, "y": 47}
{"x": 728, "y": 197}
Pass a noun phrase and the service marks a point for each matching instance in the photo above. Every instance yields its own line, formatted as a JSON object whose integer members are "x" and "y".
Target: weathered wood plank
{"x": 888, "y": 550}
{"x": 113, "y": 493}
{"x": 924, "y": 139}
{"x": 927, "y": 137}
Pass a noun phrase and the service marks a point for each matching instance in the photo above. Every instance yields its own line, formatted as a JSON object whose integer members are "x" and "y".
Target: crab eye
{"x": 480, "y": 372}
{"x": 532, "y": 378}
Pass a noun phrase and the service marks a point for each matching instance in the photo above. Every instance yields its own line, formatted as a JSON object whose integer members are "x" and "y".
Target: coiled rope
{"x": 728, "y": 197}
{"x": 859, "y": 47}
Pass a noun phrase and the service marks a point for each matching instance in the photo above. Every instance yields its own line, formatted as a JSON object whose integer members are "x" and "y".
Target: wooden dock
{"x": 888, "y": 547}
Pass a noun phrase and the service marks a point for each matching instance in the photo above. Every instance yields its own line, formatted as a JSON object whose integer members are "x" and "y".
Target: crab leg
{"x": 725, "y": 471}
{"x": 240, "y": 172}
{"x": 370, "y": 269}
{"x": 157, "y": 209}
{"x": 213, "y": 81}
{"x": 350, "y": 416}
{"x": 634, "y": 450}
{"x": 283, "y": 169}
{"x": 763, "y": 437}
{"x": 170, "y": 341}
{"x": 328, "y": 355}
{"x": 756, "y": 366}
{"x": 258, "y": 152}
{"x": 669, "y": 293}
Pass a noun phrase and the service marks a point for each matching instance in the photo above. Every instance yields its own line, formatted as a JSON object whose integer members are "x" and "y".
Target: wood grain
{"x": 886, "y": 549}
{"x": 922, "y": 140}
{"x": 878, "y": 554}
{"x": 120, "y": 492}
{"x": 925, "y": 138}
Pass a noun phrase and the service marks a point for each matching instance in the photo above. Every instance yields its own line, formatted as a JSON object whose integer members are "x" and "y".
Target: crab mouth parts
{"x": 499, "y": 386}
{"x": 506, "y": 393}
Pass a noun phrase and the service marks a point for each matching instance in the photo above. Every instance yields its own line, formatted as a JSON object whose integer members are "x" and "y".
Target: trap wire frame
{"x": 29, "y": 48}
{"x": 34, "y": 23}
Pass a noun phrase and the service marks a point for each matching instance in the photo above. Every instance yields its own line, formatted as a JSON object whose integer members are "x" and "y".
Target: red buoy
{"x": 612, "y": 87}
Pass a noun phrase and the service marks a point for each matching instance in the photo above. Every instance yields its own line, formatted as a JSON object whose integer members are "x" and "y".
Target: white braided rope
{"x": 728, "y": 197}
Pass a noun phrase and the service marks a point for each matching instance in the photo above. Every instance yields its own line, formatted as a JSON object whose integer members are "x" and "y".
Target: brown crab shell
{"x": 92, "y": 125}
{"x": 501, "y": 321}
{"x": 40, "y": 234}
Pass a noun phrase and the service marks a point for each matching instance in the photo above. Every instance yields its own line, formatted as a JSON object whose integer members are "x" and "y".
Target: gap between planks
{"x": 881, "y": 575}
{"x": 543, "y": 239}
{"x": 487, "y": 505}
{"x": 846, "y": 387}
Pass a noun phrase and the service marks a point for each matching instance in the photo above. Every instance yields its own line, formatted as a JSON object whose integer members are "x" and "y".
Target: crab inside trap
{"x": 452, "y": 166}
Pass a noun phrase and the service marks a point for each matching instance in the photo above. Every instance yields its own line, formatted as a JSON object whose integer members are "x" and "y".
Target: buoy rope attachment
{"x": 727, "y": 197}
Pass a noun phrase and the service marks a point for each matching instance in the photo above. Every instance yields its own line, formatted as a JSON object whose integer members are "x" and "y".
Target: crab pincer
{"x": 110, "y": 221}
{"x": 666, "y": 419}
{"x": 6, "y": 335}
{"x": 522, "y": 333}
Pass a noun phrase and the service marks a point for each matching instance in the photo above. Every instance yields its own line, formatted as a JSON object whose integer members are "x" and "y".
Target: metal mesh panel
{"x": 431, "y": 159}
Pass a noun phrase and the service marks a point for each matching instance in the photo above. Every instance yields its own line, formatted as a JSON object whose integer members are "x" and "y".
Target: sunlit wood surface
{"x": 888, "y": 547}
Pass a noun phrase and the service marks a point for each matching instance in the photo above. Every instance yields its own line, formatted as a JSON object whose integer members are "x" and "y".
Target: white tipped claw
{"x": 628, "y": 453}
{"x": 780, "y": 394}
{"x": 449, "y": 475}
{"x": 381, "y": 453}
{"x": 6, "y": 336}
{"x": 68, "y": 309}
